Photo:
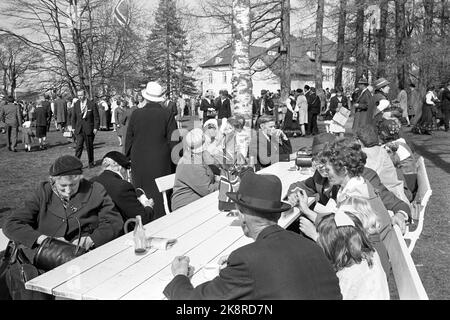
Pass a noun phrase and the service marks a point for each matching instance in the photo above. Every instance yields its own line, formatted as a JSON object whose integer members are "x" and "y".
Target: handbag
{"x": 211, "y": 113}
{"x": 67, "y": 134}
{"x": 18, "y": 271}
{"x": 53, "y": 252}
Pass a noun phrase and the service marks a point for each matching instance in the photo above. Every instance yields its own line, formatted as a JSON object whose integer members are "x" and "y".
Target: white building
{"x": 216, "y": 73}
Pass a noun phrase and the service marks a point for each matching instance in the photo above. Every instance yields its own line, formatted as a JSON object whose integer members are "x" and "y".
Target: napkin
{"x": 160, "y": 243}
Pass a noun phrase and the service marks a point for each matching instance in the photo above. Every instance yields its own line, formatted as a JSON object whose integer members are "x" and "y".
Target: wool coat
{"x": 363, "y": 110}
{"x": 44, "y": 214}
{"x": 279, "y": 265}
{"x": 148, "y": 144}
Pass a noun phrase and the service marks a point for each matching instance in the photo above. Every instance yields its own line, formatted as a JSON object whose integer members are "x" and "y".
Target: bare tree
{"x": 400, "y": 39}
{"x": 242, "y": 82}
{"x": 341, "y": 43}
{"x": 382, "y": 34}
{"x": 285, "y": 49}
{"x": 319, "y": 42}
{"x": 359, "y": 42}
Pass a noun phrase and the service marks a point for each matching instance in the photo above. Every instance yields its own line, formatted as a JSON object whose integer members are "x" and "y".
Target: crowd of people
{"x": 369, "y": 175}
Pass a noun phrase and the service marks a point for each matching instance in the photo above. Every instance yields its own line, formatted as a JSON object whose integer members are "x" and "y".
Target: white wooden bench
{"x": 407, "y": 280}
{"x": 3, "y": 240}
{"x": 164, "y": 184}
{"x": 419, "y": 204}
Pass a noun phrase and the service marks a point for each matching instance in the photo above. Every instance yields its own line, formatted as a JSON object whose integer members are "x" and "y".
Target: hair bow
{"x": 342, "y": 219}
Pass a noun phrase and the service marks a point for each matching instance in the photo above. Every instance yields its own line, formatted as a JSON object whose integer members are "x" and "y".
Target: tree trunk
{"x": 400, "y": 37}
{"x": 242, "y": 81}
{"x": 425, "y": 63}
{"x": 443, "y": 17}
{"x": 341, "y": 44}
{"x": 382, "y": 34}
{"x": 360, "y": 56}
{"x": 319, "y": 38}
{"x": 285, "y": 52}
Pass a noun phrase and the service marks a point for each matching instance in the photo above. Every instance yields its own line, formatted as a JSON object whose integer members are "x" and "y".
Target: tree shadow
{"x": 96, "y": 145}
{"x": 433, "y": 157}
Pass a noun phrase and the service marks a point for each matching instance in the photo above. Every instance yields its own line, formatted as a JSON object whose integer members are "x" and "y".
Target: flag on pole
{"x": 121, "y": 12}
{"x": 374, "y": 13}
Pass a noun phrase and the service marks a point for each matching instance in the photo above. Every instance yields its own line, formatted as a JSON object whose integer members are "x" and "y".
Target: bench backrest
{"x": 407, "y": 279}
{"x": 165, "y": 183}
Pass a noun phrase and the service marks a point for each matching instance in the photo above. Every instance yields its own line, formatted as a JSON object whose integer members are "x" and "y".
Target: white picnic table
{"x": 113, "y": 271}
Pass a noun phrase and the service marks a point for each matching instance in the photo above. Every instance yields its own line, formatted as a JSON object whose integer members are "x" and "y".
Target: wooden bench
{"x": 407, "y": 280}
{"x": 419, "y": 203}
{"x": 164, "y": 184}
{"x": 3, "y": 240}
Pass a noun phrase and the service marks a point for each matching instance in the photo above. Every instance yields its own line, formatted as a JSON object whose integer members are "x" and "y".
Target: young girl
{"x": 357, "y": 264}
{"x": 27, "y": 135}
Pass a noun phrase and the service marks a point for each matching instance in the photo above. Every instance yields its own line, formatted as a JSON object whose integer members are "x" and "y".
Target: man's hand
{"x": 399, "y": 219}
{"x": 95, "y": 132}
{"x": 180, "y": 265}
{"x": 85, "y": 242}
{"x": 308, "y": 228}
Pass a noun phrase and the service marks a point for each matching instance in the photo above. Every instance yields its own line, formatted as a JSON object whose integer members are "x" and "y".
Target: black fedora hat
{"x": 261, "y": 193}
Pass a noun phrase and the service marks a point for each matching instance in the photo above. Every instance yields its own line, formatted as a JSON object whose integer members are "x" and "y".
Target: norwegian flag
{"x": 121, "y": 12}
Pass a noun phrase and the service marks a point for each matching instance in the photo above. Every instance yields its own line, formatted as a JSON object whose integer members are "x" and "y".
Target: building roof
{"x": 223, "y": 58}
{"x": 302, "y": 56}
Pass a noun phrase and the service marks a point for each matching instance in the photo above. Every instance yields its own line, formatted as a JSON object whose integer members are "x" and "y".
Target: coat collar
{"x": 112, "y": 174}
{"x": 269, "y": 231}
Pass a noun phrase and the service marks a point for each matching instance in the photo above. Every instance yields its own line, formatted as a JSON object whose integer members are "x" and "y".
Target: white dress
{"x": 361, "y": 282}
{"x": 113, "y": 109}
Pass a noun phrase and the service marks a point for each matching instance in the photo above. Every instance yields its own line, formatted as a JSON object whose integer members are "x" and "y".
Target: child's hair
{"x": 344, "y": 245}
{"x": 362, "y": 209}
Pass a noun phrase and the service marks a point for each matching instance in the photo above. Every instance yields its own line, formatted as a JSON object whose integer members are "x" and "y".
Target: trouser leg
{"x": 79, "y": 145}
{"x": 446, "y": 118}
{"x": 8, "y": 135}
{"x": 14, "y": 133}
{"x": 89, "y": 140}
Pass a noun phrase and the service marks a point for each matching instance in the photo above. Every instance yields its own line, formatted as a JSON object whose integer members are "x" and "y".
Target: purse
{"x": 67, "y": 134}
{"x": 53, "y": 253}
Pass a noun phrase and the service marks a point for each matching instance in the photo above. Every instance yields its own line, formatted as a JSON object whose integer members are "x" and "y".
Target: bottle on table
{"x": 140, "y": 241}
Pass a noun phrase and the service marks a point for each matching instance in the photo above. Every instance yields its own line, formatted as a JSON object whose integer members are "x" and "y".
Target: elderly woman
{"x": 194, "y": 179}
{"x": 64, "y": 207}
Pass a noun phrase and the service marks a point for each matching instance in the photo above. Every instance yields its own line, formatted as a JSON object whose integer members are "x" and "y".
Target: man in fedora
{"x": 85, "y": 124}
{"x": 363, "y": 106}
{"x": 114, "y": 179}
{"x": 149, "y": 142}
{"x": 278, "y": 265}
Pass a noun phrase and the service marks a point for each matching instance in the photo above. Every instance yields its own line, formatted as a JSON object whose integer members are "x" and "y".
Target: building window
{"x": 328, "y": 74}
{"x": 210, "y": 77}
{"x": 224, "y": 74}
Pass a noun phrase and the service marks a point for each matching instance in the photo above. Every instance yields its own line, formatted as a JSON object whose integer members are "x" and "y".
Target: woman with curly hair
{"x": 357, "y": 264}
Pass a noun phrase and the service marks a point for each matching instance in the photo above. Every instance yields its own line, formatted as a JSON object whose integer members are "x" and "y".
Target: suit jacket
{"x": 10, "y": 114}
{"x": 124, "y": 196}
{"x": 91, "y": 122}
{"x": 205, "y": 105}
{"x": 44, "y": 213}
{"x": 265, "y": 157}
{"x": 334, "y": 103}
{"x": 280, "y": 264}
{"x": 314, "y": 103}
{"x": 445, "y": 99}
{"x": 224, "y": 109}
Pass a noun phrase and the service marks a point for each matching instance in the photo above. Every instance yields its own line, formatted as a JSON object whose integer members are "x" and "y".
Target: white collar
{"x": 351, "y": 184}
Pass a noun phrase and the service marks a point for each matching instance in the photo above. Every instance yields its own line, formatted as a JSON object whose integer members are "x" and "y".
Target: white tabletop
{"x": 113, "y": 271}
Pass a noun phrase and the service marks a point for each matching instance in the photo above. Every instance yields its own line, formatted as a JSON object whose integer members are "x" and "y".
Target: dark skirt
{"x": 426, "y": 121}
{"x": 290, "y": 125}
{"x": 41, "y": 131}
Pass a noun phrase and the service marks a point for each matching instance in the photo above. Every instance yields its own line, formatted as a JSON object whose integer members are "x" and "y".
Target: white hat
{"x": 211, "y": 121}
{"x": 153, "y": 92}
{"x": 194, "y": 140}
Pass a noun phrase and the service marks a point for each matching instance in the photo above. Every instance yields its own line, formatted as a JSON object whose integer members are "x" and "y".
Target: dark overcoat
{"x": 279, "y": 265}
{"x": 364, "y": 110}
{"x": 148, "y": 144}
{"x": 60, "y": 110}
{"x": 124, "y": 196}
{"x": 44, "y": 214}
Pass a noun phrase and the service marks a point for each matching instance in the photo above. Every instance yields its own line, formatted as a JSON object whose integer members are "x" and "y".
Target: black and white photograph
{"x": 224, "y": 150}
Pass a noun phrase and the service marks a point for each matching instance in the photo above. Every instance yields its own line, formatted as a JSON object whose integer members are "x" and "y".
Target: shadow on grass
{"x": 436, "y": 159}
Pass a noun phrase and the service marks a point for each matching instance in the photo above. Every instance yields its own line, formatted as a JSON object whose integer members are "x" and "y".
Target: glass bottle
{"x": 140, "y": 241}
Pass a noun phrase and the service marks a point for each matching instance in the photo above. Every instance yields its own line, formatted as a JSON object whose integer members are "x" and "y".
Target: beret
{"x": 120, "y": 158}
{"x": 66, "y": 166}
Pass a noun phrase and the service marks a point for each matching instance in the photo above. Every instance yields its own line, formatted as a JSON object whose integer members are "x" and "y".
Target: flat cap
{"x": 66, "y": 166}
{"x": 120, "y": 158}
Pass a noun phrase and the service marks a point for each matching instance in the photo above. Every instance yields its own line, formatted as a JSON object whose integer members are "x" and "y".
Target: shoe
{"x": 91, "y": 165}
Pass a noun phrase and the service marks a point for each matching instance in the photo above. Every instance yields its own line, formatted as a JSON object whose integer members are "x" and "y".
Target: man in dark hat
{"x": 278, "y": 265}
{"x": 363, "y": 105}
{"x": 114, "y": 178}
{"x": 12, "y": 117}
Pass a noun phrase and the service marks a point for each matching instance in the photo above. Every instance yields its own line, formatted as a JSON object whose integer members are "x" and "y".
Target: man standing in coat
{"x": 364, "y": 105}
{"x": 280, "y": 264}
{"x": 314, "y": 105}
{"x": 149, "y": 142}
{"x": 12, "y": 117}
{"x": 224, "y": 107}
{"x": 114, "y": 180}
{"x": 61, "y": 112}
{"x": 85, "y": 124}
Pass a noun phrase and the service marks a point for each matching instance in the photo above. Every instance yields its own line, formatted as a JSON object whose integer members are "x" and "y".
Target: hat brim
{"x": 234, "y": 197}
{"x": 152, "y": 98}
